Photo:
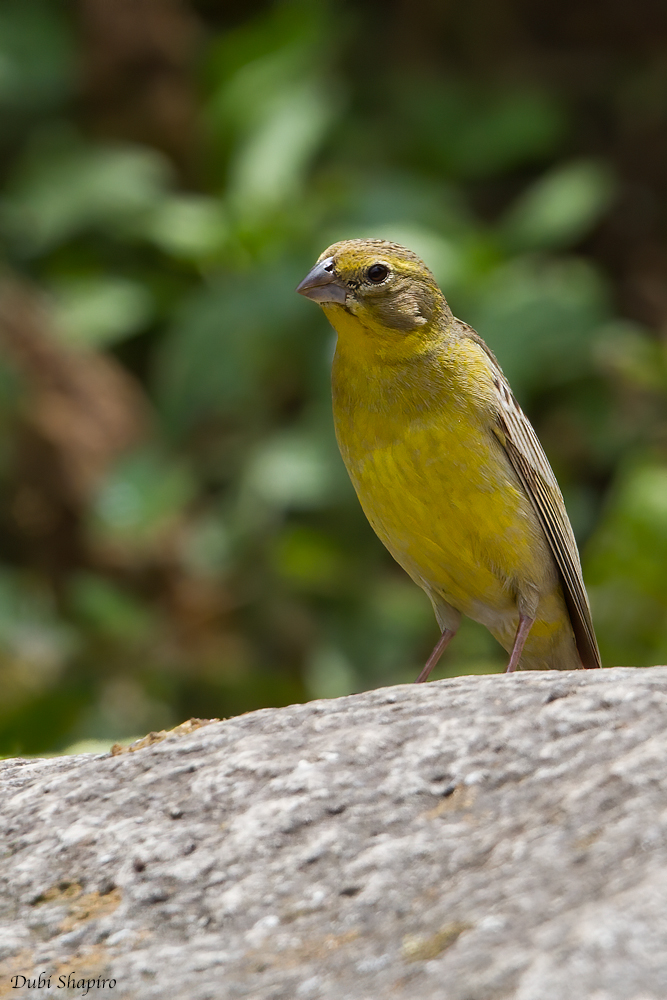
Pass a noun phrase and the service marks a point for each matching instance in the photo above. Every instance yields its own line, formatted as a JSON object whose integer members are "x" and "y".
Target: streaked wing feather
{"x": 532, "y": 466}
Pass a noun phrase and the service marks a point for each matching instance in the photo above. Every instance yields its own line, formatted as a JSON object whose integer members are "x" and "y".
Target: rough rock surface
{"x": 471, "y": 839}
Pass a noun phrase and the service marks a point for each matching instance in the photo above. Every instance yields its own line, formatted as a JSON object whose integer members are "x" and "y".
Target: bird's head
{"x": 389, "y": 290}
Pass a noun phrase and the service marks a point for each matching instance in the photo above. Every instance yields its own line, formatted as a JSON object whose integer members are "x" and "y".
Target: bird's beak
{"x": 322, "y": 285}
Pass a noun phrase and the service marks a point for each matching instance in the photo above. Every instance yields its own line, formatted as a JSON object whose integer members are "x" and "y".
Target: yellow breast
{"x": 432, "y": 479}
{"x": 436, "y": 485}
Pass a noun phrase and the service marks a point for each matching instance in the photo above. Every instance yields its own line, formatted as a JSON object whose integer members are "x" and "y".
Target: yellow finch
{"x": 446, "y": 466}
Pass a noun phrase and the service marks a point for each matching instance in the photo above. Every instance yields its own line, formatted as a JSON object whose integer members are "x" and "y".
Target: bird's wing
{"x": 532, "y": 467}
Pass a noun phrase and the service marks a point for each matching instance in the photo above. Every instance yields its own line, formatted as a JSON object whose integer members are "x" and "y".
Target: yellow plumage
{"x": 445, "y": 465}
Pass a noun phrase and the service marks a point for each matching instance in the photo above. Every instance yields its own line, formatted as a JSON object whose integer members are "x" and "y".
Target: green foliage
{"x": 469, "y": 131}
{"x": 139, "y": 500}
{"x": 560, "y": 208}
{"x": 36, "y": 60}
{"x": 106, "y": 609}
{"x": 64, "y": 186}
{"x": 626, "y": 565}
{"x": 100, "y": 311}
{"x": 541, "y": 314}
{"x": 224, "y": 564}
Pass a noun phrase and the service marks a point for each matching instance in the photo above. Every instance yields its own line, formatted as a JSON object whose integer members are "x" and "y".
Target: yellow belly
{"x": 455, "y": 516}
{"x": 451, "y": 515}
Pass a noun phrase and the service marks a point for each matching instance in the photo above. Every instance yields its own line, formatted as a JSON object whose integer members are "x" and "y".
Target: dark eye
{"x": 377, "y": 273}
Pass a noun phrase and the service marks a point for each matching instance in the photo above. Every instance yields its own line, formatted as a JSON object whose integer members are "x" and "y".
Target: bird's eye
{"x": 377, "y": 273}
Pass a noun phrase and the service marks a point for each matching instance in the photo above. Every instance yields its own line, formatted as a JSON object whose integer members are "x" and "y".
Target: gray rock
{"x": 471, "y": 839}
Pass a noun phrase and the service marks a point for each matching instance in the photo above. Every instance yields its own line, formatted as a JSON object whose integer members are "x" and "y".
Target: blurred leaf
{"x": 192, "y": 227}
{"x": 222, "y": 343}
{"x": 64, "y": 186}
{"x": 407, "y": 200}
{"x": 560, "y": 208}
{"x": 635, "y": 527}
{"x": 269, "y": 167}
{"x": 36, "y": 56}
{"x": 97, "y": 312}
{"x": 108, "y": 609}
{"x": 329, "y": 674}
{"x": 11, "y": 390}
{"x": 508, "y": 129}
{"x": 540, "y": 317}
{"x": 627, "y": 349}
{"x": 31, "y": 632}
{"x": 278, "y": 104}
{"x": 141, "y": 499}
{"x": 625, "y": 566}
{"x": 290, "y": 470}
{"x": 206, "y": 546}
{"x": 308, "y": 559}
{"x": 45, "y": 721}
{"x": 123, "y": 708}
{"x": 474, "y": 131}
{"x": 400, "y": 606}
{"x": 248, "y": 66}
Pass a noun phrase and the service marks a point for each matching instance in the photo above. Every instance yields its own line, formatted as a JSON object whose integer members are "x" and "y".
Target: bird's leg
{"x": 440, "y": 647}
{"x": 525, "y": 625}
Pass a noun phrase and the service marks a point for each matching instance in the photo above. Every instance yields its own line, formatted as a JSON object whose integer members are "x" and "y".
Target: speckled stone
{"x": 481, "y": 838}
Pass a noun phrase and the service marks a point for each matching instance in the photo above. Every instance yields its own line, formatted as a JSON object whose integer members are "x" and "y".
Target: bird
{"x": 447, "y": 467}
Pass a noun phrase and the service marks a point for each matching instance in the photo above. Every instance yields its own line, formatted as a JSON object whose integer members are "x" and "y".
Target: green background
{"x": 178, "y": 533}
